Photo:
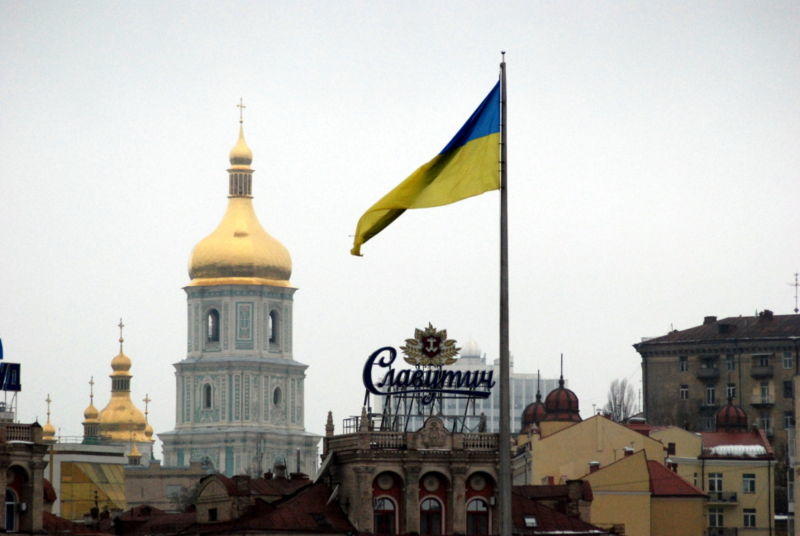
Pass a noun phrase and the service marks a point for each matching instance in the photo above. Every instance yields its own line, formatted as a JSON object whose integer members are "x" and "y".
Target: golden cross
{"x": 241, "y": 107}
{"x": 91, "y": 389}
{"x": 120, "y": 325}
{"x": 48, "y": 400}
{"x": 146, "y": 401}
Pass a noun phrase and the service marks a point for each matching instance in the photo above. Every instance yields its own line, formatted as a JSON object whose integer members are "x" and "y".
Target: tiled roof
{"x": 548, "y": 521}
{"x": 716, "y": 441}
{"x": 764, "y": 326}
{"x": 665, "y": 483}
{"x": 53, "y": 524}
{"x": 261, "y": 486}
{"x": 553, "y": 491}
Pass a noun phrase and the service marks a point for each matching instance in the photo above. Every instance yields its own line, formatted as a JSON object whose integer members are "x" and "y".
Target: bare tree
{"x": 621, "y": 401}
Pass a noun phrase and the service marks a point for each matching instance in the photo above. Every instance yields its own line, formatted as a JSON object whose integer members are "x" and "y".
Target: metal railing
{"x": 764, "y": 371}
{"x": 722, "y": 531}
{"x": 727, "y": 497}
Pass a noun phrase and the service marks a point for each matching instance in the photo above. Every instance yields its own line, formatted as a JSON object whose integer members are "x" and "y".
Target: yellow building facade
{"x": 646, "y": 498}
{"x": 735, "y": 469}
{"x": 567, "y": 452}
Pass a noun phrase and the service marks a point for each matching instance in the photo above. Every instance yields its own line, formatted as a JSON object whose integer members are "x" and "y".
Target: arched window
{"x": 384, "y": 516}
{"x": 430, "y": 517}
{"x": 276, "y": 396}
{"x": 11, "y": 510}
{"x": 207, "y": 396}
{"x": 272, "y": 328}
{"x": 477, "y": 517}
{"x": 212, "y": 326}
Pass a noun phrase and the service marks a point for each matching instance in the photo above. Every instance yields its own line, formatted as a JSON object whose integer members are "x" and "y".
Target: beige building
{"x": 22, "y": 463}
{"x": 597, "y": 441}
{"x": 688, "y": 374}
{"x": 734, "y": 466}
{"x": 646, "y": 498}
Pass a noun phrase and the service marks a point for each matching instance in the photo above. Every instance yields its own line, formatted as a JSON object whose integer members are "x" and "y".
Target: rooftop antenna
{"x": 561, "y": 378}
{"x": 796, "y": 285}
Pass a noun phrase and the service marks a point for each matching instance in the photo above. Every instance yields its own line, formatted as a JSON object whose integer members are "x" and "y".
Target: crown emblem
{"x": 430, "y": 347}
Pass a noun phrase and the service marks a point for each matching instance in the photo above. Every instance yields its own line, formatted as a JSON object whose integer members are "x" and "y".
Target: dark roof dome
{"x": 731, "y": 418}
{"x": 562, "y": 404}
{"x": 533, "y": 414}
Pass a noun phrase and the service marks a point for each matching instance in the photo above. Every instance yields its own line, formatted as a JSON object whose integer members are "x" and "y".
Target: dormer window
{"x": 212, "y": 326}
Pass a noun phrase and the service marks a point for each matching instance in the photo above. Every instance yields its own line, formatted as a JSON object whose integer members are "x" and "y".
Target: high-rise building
{"x": 239, "y": 390}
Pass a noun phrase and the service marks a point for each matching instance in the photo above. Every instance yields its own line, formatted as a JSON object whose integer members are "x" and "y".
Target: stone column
{"x": 361, "y": 512}
{"x": 458, "y": 498}
{"x": 36, "y": 506}
{"x": 411, "y": 506}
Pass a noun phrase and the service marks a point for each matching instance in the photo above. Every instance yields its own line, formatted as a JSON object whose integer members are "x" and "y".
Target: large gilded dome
{"x": 240, "y": 251}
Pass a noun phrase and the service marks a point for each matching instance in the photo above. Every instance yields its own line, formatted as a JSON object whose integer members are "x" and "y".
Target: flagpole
{"x": 505, "y": 395}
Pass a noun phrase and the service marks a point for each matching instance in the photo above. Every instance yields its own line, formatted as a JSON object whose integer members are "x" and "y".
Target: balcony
{"x": 707, "y": 373}
{"x": 760, "y": 401}
{"x": 761, "y": 371}
{"x": 706, "y": 406}
{"x": 721, "y": 531}
{"x": 723, "y": 498}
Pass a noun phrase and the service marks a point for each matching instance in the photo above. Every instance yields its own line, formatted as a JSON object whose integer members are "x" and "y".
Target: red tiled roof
{"x": 547, "y": 519}
{"x": 49, "y": 492}
{"x": 752, "y": 437}
{"x": 53, "y": 524}
{"x": 763, "y": 326}
{"x": 665, "y": 483}
{"x": 261, "y": 486}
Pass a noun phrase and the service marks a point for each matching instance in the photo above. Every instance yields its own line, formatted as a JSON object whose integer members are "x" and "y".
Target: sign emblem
{"x": 430, "y": 347}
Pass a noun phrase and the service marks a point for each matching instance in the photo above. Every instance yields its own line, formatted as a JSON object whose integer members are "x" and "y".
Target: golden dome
{"x": 240, "y": 251}
{"x": 135, "y": 451}
{"x": 241, "y": 155}
{"x": 90, "y": 414}
{"x": 121, "y": 420}
{"x": 48, "y": 431}
{"x": 148, "y": 431}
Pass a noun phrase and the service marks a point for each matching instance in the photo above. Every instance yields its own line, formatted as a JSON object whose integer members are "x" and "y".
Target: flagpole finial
{"x": 503, "y": 56}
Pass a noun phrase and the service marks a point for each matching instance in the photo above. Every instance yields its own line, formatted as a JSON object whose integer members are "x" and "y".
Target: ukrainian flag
{"x": 467, "y": 166}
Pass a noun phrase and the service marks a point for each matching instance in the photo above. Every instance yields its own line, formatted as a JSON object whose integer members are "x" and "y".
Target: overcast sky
{"x": 654, "y": 178}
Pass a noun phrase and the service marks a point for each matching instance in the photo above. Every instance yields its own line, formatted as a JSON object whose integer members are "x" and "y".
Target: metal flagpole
{"x": 505, "y": 395}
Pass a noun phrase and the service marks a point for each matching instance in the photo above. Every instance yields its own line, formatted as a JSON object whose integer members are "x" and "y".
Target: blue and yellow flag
{"x": 467, "y": 166}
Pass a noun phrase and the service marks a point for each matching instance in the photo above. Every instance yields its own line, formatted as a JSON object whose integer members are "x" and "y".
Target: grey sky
{"x": 653, "y": 160}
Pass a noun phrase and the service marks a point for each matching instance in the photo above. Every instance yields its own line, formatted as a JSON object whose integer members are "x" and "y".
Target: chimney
{"x": 709, "y": 320}
{"x": 242, "y": 483}
{"x": 628, "y": 451}
{"x": 594, "y": 466}
{"x": 297, "y": 470}
{"x": 329, "y": 425}
{"x": 280, "y": 470}
{"x": 268, "y": 475}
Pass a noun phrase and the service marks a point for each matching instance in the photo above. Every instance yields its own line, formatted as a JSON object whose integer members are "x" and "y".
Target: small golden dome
{"x": 135, "y": 451}
{"x": 90, "y": 414}
{"x": 121, "y": 364}
{"x": 148, "y": 431}
{"x": 48, "y": 431}
{"x": 241, "y": 155}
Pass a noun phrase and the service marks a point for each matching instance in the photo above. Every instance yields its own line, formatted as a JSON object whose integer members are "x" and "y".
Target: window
{"x": 207, "y": 396}
{"x": 683, "y": 363}
{"x": 276, "y": 396}
{"x": 761, "y": 360}
{"x": 531, "y": 522}
{"x": 765, "y": 423}
{"x": 788, "y": 389}
{"x": 212, "y": 326}
{"x": 384, "y": 512}
{"x": 477, "y": 517}
{"x": 788, "y": 360}
{"x": 430, "y": 517}
{"x": 748, "y": 483}
{"x": 715, "y": 518}
{"x": 788, "y": 419}
{"x": 272, "y": 329}
{"x": 764, "y": 389}
{"x": 749, "y": 517}
{"x": 11, "y": 510}
{"x": 730, "y": 362}
{"x": 671, "y": 449}
{"x": 730, "y": 390}
{"x": 711, "y": 395}
{"x": 684, "y": 392}
{"x": 212, "y": 514}
{"x": 714, "y": 481}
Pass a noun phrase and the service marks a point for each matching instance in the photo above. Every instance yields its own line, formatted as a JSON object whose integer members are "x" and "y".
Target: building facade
{"x": 239, "y": 391}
